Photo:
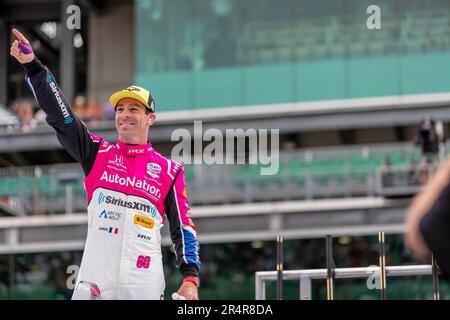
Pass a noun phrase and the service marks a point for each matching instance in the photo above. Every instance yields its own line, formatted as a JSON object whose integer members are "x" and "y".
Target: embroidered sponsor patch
{"x": 109, "y": 230}
{"x": 144, "y": 221}
{"x": 153, "y": 169}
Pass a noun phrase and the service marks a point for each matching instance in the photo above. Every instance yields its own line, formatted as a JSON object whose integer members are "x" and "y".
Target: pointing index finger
{"x": 20, "y": 36}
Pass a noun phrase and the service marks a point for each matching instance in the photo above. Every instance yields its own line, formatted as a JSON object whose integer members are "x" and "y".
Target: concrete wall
{"x": 111, "y": 51}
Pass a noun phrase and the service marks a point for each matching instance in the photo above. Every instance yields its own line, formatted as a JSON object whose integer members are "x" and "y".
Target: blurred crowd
{"x": 30, "y": 116}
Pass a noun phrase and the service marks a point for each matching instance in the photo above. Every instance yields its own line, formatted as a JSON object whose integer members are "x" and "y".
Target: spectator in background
{"x": 79, "y": 106}
{"x": 89, "y": 111}
{"x": 5, "y": 200}
{"x": 26, "y": 116}
{"x": 441, "y": 135}
{"x": 93, "y": 112}
{"x": 110, "y": 113}
{"x": 39, "y": 117}
{"x": 428, "y": 141}
{"x": 15, "y": 107}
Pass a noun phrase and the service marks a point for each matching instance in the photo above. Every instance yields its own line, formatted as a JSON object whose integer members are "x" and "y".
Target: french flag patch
{"x": 113, "y": 230}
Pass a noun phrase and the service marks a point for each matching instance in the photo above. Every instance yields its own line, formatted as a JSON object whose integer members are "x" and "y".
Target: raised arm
{"x": 70, "y": 130}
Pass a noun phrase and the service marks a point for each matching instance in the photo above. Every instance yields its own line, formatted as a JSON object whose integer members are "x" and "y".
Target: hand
{"x": 188, "y": 290}
{"x": 416, "y": 244}
{"x": 18, "y": 52}
{"x": 421, "y": 204}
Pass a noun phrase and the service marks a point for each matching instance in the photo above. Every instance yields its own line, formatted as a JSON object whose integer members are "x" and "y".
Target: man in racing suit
{"x": 130, "y": 189}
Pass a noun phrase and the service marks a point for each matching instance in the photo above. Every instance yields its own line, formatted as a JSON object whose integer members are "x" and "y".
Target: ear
{"x": 152, "y": 118}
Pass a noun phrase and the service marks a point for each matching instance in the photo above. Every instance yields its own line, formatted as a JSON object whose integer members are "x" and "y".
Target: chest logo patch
{"x": 153, "y": 170}
{"x": 144, "y": 221}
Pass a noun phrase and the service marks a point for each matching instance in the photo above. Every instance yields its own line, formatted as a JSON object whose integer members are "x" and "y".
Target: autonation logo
{"x": 132, "y": 182}
{"x": 102, "y": 198}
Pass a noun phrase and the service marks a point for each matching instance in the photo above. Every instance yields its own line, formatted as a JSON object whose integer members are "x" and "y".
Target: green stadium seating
{"x": 296, "y": 170}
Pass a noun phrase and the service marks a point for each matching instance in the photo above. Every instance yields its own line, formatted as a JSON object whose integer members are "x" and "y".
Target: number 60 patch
{"x": 143, "y": 262}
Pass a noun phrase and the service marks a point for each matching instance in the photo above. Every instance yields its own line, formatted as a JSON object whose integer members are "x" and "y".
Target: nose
{"x": 125, "y": 113}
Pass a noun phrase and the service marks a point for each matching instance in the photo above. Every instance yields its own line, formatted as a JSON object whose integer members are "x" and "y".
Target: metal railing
{"x": 56, "y": 189}
{"x": 403, "y": 180}
{"x": 305, "y": 276}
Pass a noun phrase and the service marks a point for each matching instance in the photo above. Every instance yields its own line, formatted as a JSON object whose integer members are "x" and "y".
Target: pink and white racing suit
{"x": 131, "y": 191}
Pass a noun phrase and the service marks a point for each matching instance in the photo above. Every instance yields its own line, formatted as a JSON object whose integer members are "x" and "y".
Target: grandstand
{"x": 347, "y": 102}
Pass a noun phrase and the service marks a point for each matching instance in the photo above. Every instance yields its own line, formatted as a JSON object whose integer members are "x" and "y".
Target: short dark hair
{"x": 147, "y": 110}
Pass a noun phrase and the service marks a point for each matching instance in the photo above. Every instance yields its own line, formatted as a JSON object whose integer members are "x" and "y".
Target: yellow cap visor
{"x": 119, "y": 95}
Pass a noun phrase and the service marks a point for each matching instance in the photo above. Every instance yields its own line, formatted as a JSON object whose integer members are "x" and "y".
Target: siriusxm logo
{"x": 126, "y": 204}
{"x": 153, "y": 211}
{"x": 67, "y": 117}
{"x": 101, "y": 198}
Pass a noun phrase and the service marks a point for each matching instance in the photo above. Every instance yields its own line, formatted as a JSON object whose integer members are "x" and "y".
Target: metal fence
{"x": 305, "y": 276}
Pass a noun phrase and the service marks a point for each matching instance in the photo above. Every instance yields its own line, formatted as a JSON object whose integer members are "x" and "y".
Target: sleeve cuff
{"x": 189, "y": 270}
{"x": 34, "y": 67}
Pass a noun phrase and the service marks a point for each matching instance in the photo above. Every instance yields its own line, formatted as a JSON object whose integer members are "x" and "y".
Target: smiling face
{"x": 133, "y": 121}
